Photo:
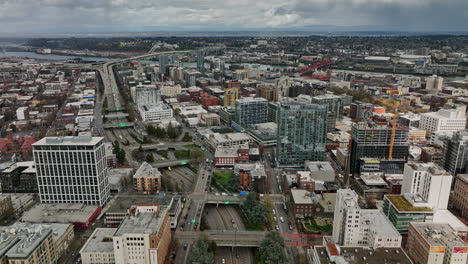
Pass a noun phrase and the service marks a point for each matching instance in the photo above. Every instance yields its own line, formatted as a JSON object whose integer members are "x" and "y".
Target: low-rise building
{"x": 228, "y": 140}
{"x": 252, "y": 176}
{"x": 303, "y": 203}
{"x": 305, "y": 181}
{"x": 320, "y": 171}
{"x": 99, "y": 249}
{"x": 229, "y": 156}
{"x": 144, "y": 236}
{"x": 147, "y": 178}
{"x": 20, "y": 177}
{"x": 436, "y": 243}
{"x": 401, "y": 212}
{"x": 264, "y": 134}
{"x": 6, "y": 207}
{"x": 155, "y": 113}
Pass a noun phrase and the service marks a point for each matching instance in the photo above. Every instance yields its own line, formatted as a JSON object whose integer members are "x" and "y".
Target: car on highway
{"x": 290, "y": 227}
{"x": 224, "y": 194}
{"x": 277, "y": 227}
{"x": 185, "y": 246}
{"x": 274, "y": 211}
{"x": 233, "y": 221}
{"x": 223, "y": 261}
{"x": 281, "y": 219}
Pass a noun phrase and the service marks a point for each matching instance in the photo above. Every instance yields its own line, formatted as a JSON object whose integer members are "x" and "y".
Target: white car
{"x": 277, "y": 227}
{"x": 274, "y": 212}
{"x": 282, "y": 219}
{"x": 224, "y": 194}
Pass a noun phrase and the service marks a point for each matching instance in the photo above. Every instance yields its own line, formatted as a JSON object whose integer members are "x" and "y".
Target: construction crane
{"x": 394, "y": 106}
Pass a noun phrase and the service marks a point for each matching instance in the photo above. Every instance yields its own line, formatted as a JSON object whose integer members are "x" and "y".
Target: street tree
{"x": 272, "y": 249}
{"x": 201, "y": 253}
{"x": 150, "y": 158}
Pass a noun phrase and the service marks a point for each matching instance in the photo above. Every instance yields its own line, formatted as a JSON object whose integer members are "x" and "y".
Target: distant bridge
{"x": 314, "y": 66}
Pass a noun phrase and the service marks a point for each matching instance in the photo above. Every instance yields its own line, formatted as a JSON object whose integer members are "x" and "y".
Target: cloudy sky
{"x": 68, "y": 16}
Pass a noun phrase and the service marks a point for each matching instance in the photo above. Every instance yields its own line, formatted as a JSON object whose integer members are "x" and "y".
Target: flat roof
{"x": 302, "y": 196}
{"x": 146, "y": 170}
{"x": 59, "y": 213}
{"x": 438, "y": 234}
{"x": 100, "y": 241}
{"x": 143, "y": 223}
{"x": 121, "y": 203}
{"x": 68, "y": 141}
{"x": 373, "y": 179}
{"x": 22, "y": 241}
{"x": 356, "y": 255}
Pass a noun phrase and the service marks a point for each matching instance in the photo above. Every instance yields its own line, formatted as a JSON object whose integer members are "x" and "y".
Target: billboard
{"x": 437, "y": 249}
{"x": 460, "y": 250}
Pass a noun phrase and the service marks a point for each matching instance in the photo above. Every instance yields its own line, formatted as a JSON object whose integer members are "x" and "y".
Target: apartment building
{"x": 147, "y": 179}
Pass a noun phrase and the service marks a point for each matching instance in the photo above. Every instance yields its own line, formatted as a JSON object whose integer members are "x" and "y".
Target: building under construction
{"x": 371, "y": 147}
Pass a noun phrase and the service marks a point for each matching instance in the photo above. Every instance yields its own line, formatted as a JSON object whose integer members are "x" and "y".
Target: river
{"x": 33, "y": 55}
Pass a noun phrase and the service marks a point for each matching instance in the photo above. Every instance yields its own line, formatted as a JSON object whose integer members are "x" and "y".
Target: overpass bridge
{"x": 212, "y": 198}
{"x": 170, "y": 163}
{"x": 119, "y": 125}
{"x": 225, "y": 238}
{"x": 116, "y": 115}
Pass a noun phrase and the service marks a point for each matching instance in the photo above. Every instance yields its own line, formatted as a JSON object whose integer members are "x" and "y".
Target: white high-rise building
{"x": 443, "y": 120}
{"x": 145, "y": 95}
{"x": 356, "y": 227}
{"x": 434, "y": 82}
{"x": 72, "y": 170}
{"x": 427, "y": 184}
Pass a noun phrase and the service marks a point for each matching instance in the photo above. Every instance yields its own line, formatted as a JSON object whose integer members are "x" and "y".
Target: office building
{"x": 27, "y": 245}
{"x": 435, "y": 243}
{"x": 227, "y": 115}
{"x": 301, "y": 133}
{"x": 335, "y": 108}
{"x": 443, "y": 120}
{"x": 72, "y": 170}
{"x": 216, "y": 140}
{"x": 264, "y": 134}
{"x": 230, "y": 96}
{"x": 99, "y": 249}
{"x": 6, "y": 207}
{"x": 455, "y": 149}
{"x": 401, "y": 211}
{"x": 409, "y": 120}
{"x": 361, "y": 110}
{"x": 147, "y": 179}
{"x": 145, "y": 95}
{"x": 270, "y": 92}
{"x": 250, "y": 111}
{"x": 190, "y": 77}
{"x": 144, "y": 236}
{"x": 155, "y": 113}
{"x": 427, "y": 184}
{"x": 353, "y": 226}
{"x": 163, "y": 62}
{"x": 459, "y": 196}
{"x": 201, "y": 61}
{"x": 19, "y": 178}
{"x": 434, "y": 82}
{"x": 370, "y": 141}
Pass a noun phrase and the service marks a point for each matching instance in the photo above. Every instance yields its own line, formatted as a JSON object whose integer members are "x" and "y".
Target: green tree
{"x": 120, "y": 156}
{"x": 140, "y": 149}
{"x": 116, "y": 148}
{"x": 255, "y": 211}
{"x": 186, "y": 137}
{"x": 197, "y": 154}
{"x": 150, "y": 158}
{"x": 272, "y": 249}
{"x": 201, "y": 253}
{"x": 172, "y": 131}
{"x": 233, "y": 182}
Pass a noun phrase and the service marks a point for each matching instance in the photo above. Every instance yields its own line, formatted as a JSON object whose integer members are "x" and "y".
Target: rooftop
{"x": 403, "y": 205}
{"x": 143, "y": 223}
{"x": 68, "y": 141}
{"x": 360, "y": 255}
{"x": 100, "y": 241}
{"x": 121, "y": 203}
{"x": 146, "y": 170}
{"x": 438, "y": 234}
{"x": 302, "y": 196}
{"x": 59, "y": 213}
{"x": 373, "y": 178}
{"x": 22, "y": 241}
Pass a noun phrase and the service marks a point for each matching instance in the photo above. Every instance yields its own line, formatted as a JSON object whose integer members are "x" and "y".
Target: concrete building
{"x": 251, "y": 110}
{"x": 226, "y": 115}
{"x": 401, "y": 212}
{"x": 459, "y": 197}
{"x": 436, "y": 243}
{"x": 427, "y": 184}
{"x": 370, "y": 141}
{"x": 320, "y": 171}
{"x": 229, "y": 156}
{"x": 6, "y": 207}
{"x": 27, "y": 245}
{"x": 443, "y": 120}
{"x": 330, "y": 252}
{"x": 434, "y": 82}
{"x": 455, "y": 148}
{"x": 147, "y": 179}
{"x": 155, "y": 113}
{"x": 361, "y": 110}
{"x": 269, "y": 92}
{"x": 264, "y": 134}
{"x": 210, "y": 119}
{"x": 301, "y": 133}
{"x": 353, "y": 226}
{"x": 72, "y": 170}
{"x": 409, "y": 120}
{"x": 228, "y": 140}
{"x": 99, "y": 249}
{"x": 201, "y": 61}
{"x": 230, "y": 96}
{"x": 305, "y": 181}
{"x": 145, "y": 95}
{"x": 144, "y": 236}
{"x": 170, "y": 90}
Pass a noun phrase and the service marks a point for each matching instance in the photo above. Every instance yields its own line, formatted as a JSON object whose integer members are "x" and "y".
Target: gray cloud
{"x": 43, "y": 16}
